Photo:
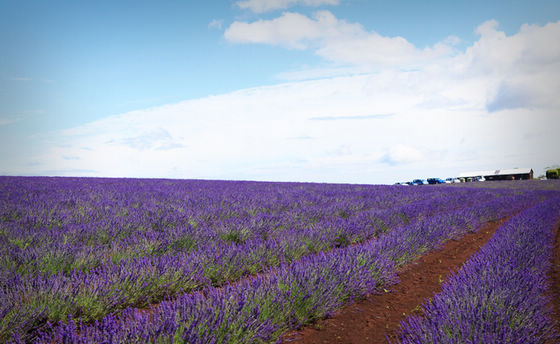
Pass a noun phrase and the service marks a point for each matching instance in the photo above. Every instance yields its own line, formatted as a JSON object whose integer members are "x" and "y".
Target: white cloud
{"x": 521, "y": 68}
{"x": 402, "y": 154}
{"x": 260, "y": 6}
{"x": 292, "y": 30}
{"x": 529, "y": 50}
{"x": 491, "y": 106}
{"x": 307, "y": 73}
{"x": 351, "y": 118}
{"x": 158, "y": 139}
{"x": 216, "y": 24}
{"x": 336, "y": 40}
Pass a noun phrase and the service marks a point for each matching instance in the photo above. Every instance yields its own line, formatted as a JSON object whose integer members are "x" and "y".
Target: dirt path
{"x": 371, "y": 319}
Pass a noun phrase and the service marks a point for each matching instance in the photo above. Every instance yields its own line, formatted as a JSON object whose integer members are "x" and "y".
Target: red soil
{"x": 377, "y": 316}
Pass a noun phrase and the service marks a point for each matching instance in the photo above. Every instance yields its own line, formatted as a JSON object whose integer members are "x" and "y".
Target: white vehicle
{"x": 452, "y": 180}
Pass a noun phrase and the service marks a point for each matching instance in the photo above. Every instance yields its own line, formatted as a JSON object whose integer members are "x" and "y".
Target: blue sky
{"x": 306, "y": 90}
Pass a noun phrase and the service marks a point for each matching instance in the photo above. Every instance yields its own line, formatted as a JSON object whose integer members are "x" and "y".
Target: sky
{"x": 339, "y": 91}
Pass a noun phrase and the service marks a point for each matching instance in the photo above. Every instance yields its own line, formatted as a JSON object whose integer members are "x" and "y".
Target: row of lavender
{"x": 501, "y": 295}
{"x": 173, "y": 237}
{"x": 53, "y": 225}
{"x": 260, "y": 309}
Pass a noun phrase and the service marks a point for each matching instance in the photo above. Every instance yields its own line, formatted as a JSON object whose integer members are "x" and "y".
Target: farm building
{"x": 509, "y": 174}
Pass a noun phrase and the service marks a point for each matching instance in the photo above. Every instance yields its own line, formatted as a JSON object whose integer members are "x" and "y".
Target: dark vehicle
{"x": 435, "y": 181}
{"x": 419, "y": 182}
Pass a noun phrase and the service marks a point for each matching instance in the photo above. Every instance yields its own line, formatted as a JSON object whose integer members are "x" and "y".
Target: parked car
{"x": 435, "y": 181}
{"x": 452, "y": 180}
{"x": 479, "y": 179}
{"x": 419, "y": 182}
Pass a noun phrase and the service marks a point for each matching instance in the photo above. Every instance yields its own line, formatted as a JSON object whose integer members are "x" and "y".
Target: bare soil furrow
{"x": 378, "y": 316}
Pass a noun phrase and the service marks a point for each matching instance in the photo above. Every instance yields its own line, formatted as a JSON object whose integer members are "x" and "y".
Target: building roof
{"x": 496, "y": 172}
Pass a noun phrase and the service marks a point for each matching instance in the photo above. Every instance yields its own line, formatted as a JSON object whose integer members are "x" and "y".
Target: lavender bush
{"x": 499, "y": 296}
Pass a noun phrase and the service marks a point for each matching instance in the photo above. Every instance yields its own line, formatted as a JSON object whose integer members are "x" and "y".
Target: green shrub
{"x": 552, "y": 174}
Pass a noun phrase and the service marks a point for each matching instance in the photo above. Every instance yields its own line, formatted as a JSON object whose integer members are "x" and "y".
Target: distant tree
{"x": 552, "y": 173}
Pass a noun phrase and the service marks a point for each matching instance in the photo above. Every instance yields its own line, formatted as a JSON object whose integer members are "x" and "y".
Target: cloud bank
{"x": 336, "y": 40}
{"x": 492, "y": 106}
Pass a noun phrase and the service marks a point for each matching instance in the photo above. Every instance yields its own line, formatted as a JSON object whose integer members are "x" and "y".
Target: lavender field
{"x": 92, "y": 260}
{"x": 501, "y": 294}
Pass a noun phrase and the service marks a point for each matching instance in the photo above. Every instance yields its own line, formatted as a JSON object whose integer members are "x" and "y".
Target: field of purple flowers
{"x": 84, "y": 260}
{"x": 501, "y": 294}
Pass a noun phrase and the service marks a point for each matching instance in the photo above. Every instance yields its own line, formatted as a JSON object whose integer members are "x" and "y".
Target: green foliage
{"x": 193, "y": 223}
{"x": 10, "y": 216}
{"x": 380, "y": 225}
{"x": 54, "y": 263}
{"x": 89, "y": 307}
{"x": 184, "y": 243}
{"x": 553, "y": 174}
{"x": 235, "y": 236}
{"x": 215, "y": 274}
{"x": 21, "y": 243}
{"x": 232, "y": 236}
{"x": 312, "y": 245}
